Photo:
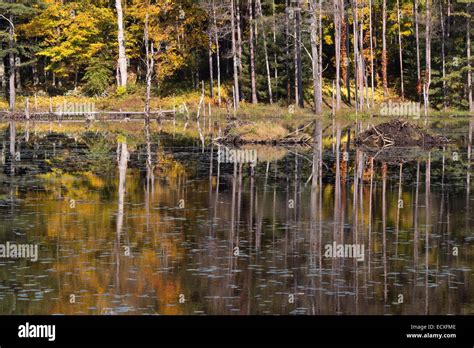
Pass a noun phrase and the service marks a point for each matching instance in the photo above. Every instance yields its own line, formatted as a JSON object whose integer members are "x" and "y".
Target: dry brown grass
{"x": 262, "y": 131}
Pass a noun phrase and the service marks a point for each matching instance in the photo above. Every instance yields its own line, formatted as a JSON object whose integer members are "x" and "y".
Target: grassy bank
{"x": 187, "y": 102}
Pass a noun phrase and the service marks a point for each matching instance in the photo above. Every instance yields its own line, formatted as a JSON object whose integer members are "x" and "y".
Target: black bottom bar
{"x": 219, "y": 330}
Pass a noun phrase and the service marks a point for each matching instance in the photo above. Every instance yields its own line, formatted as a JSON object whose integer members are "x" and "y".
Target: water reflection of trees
{"x": 191, "y": 251}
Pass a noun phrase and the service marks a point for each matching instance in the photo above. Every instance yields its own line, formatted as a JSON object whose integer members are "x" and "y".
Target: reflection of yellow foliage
{"x": 267, "y": 153}
{"x": 87, "y": 234}
{"x": 169, "y": 166}
{"x": 94, "y": 180}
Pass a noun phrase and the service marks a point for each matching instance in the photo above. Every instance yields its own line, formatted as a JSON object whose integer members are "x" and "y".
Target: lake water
{"x": 196, "y": 235}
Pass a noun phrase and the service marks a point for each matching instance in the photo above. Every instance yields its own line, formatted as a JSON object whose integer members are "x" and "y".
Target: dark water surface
{"x": 117, "y": 238}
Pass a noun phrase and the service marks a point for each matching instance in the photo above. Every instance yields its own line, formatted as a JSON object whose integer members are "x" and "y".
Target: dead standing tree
{"x": 426, "y": 86}
{"x": 150, "y": 65}
{"x": 122, "y": 58}
{"x": 11, "y": 60}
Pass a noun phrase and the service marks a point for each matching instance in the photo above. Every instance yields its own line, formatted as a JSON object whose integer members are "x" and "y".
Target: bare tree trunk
{"x": 35, "y": 75}
{"x": 17, "y": 73}
{"x": 417, "y": 38}
{"x": 384, "y": 48}
{"x": 150, "y": 63}
{"x": 355, "y": 40}
{"x": 347, "y": 49}
{"x": 361, "y": 56}
{"x": 239, "y": 35}
{"x": 265, "y": 50}
{"x": 468, "y": 43}
{"x": 443, "y": 53}
{"x": 315, "y": 57}
{"x": 218, "y": 58}
{"x": 122, "y": 59}
{"x": 252, "y": 54}
{"x": 295, "y": 56}
{"x": 298, "y": 55}
{"x": 400, "y": 50}
{"x": 320, "y": 56}
{"x": 426, "y": 88}
{"x": 235, "y": 58}
{"x": 337, "y": 44}
{"x": 371, "y": 54}
{"x": 287, "y": 50}
{"x": 211, "y": 68}
{"x": 2, "y": 74}
{"x": 11, "y": 44}
{"x": 275, "y": 57}
{"x": 469, "y": 73}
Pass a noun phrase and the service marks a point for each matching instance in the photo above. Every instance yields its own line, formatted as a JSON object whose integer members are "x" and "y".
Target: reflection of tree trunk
{"x": 239, "y": 201}
{"x": 355, "y": 223}
{"x": 211, "y": 172}
{"x": 232, "y": 218}
{"x": 216, "y": 199}
{"x": 12, "y": 147}
{"x": 415, "y": 229}
{"x": 384, "y": 230}
{"x": 469, "y": 158}
{"x": 123, "y": 163}
{"x": 258, "y": 232}
{"x": 252, "y": 201}
{"x": 338, "y": 224}
{"x": 427, "y": 218}
{"x": 370, "y": 210}
{"x": 397, "y": 227}
{"x": 317, "y": 151}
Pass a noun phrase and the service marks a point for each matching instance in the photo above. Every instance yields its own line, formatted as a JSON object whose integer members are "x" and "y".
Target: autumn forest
{"x": 316, "y": 54}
